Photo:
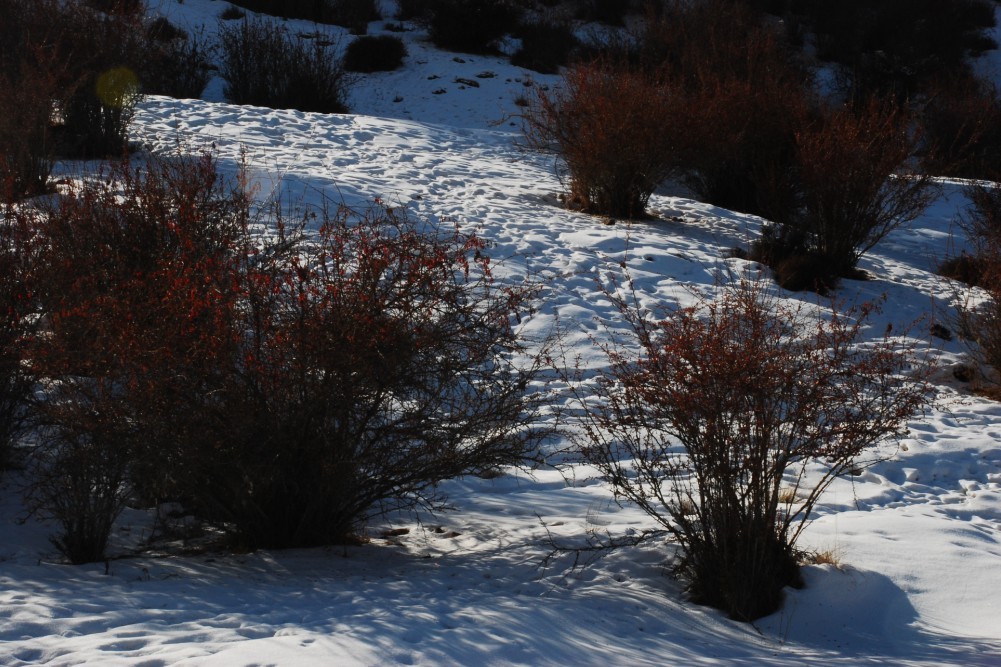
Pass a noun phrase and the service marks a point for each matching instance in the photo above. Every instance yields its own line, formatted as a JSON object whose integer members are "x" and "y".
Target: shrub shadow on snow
{"x": 382, "y": 605}
{"x": 864, "y": 618}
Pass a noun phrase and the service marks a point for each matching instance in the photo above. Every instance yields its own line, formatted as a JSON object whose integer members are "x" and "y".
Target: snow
{"x": 917, "y": 537}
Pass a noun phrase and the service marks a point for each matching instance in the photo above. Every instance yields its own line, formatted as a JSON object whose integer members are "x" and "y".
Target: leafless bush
{"x": 310, "y": 10}
{"x": 893, "y": 48}
{"x": 354, "y": 14}
{"x": 264, "y": 65}
{"x": 232, "y": 13}
{"x": 611, "y": 12}
{"x": 731, "y": 420}
{"x": 107, "y": 52}
{"x": 738, "y": 151}
{"x": 546, "y": 44}
{"x": 79, "y": 473}
{"x": 74, "y": 66}
{"x": 26, "y": 139}
{"x": 982, "y": 222}
{"x": 414, "y": 10}
{"x": 711, "y": 41}
{"x": 375, "y": 366}
{"x": 132, "y": 8}
{"x": 32, "y": 76}
{"x": 176, "y": 64}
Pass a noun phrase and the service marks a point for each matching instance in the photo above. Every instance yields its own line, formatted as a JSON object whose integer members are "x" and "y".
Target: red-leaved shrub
{"x": 612, "y": 128}
{"x": 155, "y": 308}
{"x": 713, "y": 425}
{"x": 288, "y": 386}
{"x": 742, "y": 97}
{"x": 852, "y": 170}
{"x": 377, "y": 362}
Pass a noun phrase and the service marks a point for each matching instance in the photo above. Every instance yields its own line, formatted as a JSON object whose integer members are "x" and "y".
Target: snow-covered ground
{"x": 918, "y": 536}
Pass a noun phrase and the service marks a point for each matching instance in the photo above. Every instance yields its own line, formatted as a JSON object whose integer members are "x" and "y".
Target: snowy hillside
{"x": 917, "y": 537}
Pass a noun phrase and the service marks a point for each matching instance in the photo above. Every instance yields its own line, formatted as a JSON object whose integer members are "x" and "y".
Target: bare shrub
{"x": 353, "y": 14}
{"x": 893, "y": 48}
{"x": 73, "y": 74}
{"x": 79, "y": 472}
{"x": 982, "y": 222}
{"x": 738, "y": 150}
{"x": 979, "y": 322}
{"x": 160, "y": 29}
{"x": 130, "y": 8}
{"x": 965, "y": 268}
{"x": 730, "y": 405}
{"x": 32, "y": 75}
{"x": 375, "y": 366}
{"x": 611, "y": 127}
{"x": 310, "y": 10}
{"x": 610, "y": 12}
{"x": 414, "y": 10}
{"x": 795, "y": 265}
{"x": 26, "y": 141}
{"x": 179, "y": 66}
{"x": 107, "y": 52}
{"x": 264, "y": 65}
{"x": 708, "y": 40}
{"x": 232, "y": 13}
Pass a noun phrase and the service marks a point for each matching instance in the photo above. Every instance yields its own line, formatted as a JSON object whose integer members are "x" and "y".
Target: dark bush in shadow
{"x": 72, "y": 76}
{"x": 382, "y": 53}
{"x": 961, "y": 129}
{"x": 741, "y": 99}
{"x": 265, "y": 65}
{"x": 545, "y": 46}
{"x": 176, "y": 64}
{"x": 352, "y": 14}
{"x": 609, "y": 12}
{"x": 471, "y": 26}
{"x": 894, "y": 47}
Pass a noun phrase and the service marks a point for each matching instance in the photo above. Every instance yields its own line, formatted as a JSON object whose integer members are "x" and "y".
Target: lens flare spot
{"x": 117, "y": 87}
